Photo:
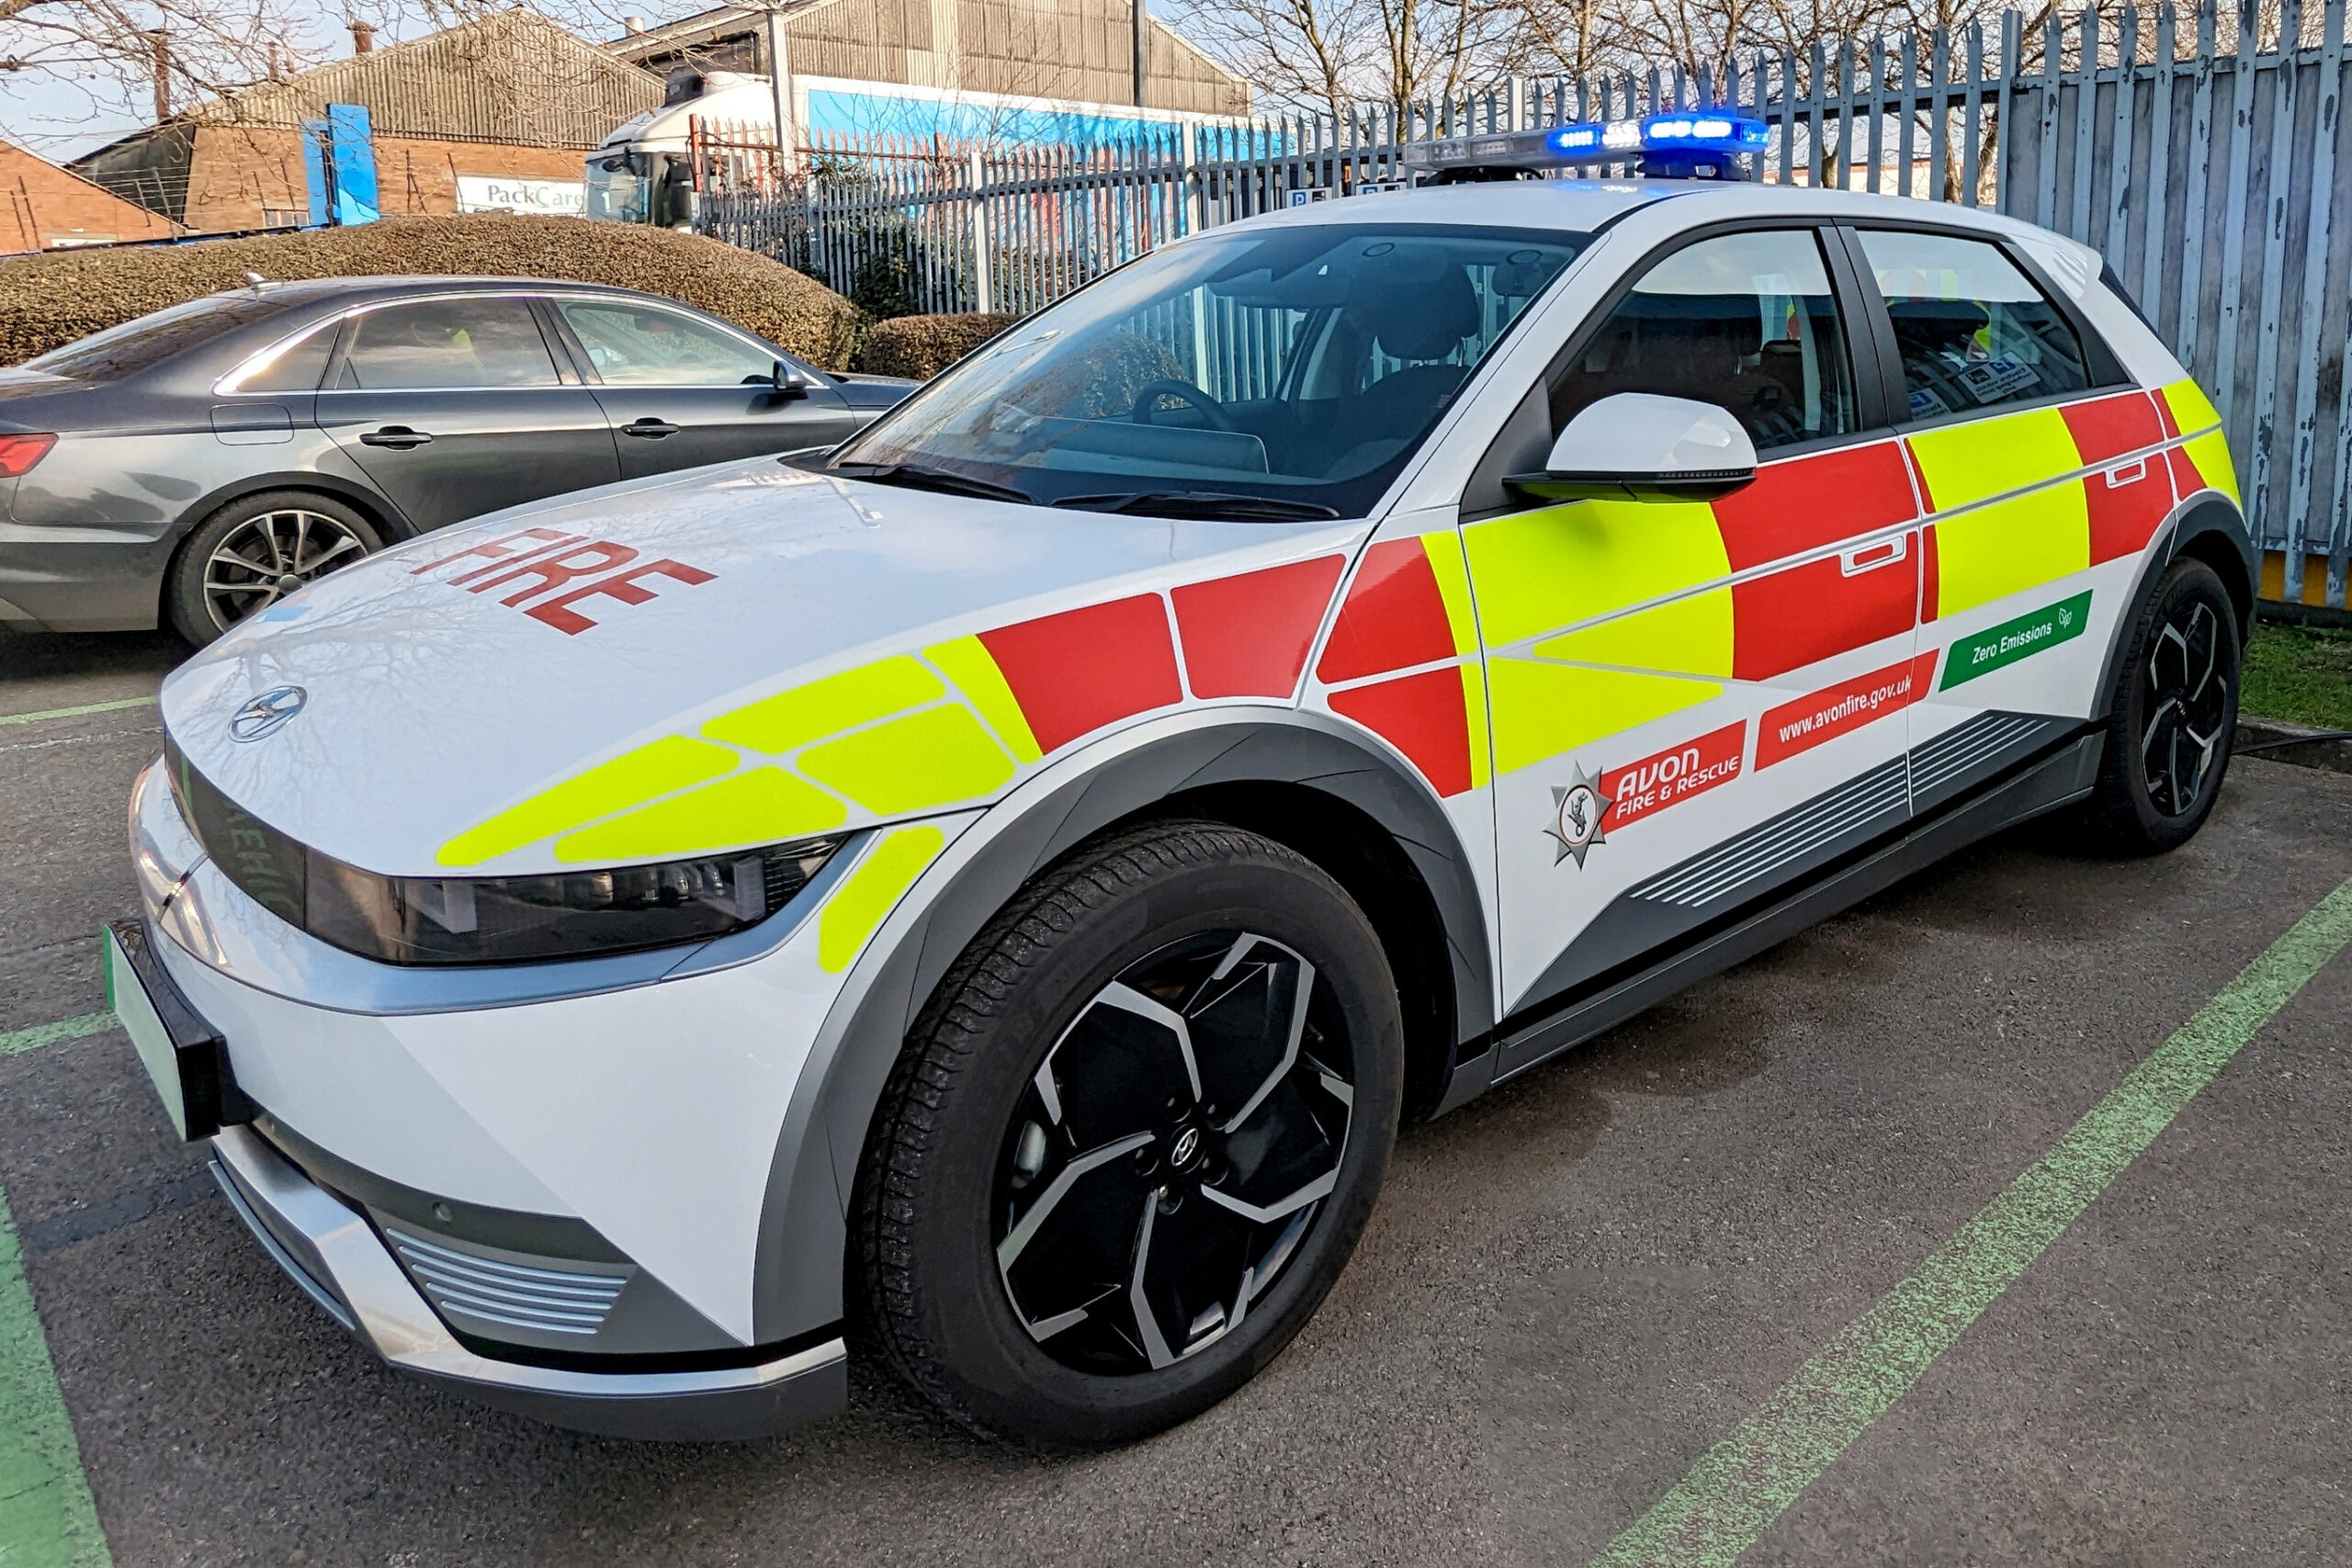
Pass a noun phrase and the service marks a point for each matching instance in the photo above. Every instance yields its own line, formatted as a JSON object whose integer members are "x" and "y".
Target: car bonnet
{"x": 747, "y": 654}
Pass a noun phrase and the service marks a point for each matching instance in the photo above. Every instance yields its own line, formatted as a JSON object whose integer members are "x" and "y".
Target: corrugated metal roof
{"x": 513, "y": 76}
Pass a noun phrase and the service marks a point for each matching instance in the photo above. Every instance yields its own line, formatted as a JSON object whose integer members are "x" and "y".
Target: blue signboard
{"x": 339, "y": 165}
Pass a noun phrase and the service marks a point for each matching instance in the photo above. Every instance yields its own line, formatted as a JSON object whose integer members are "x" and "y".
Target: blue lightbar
{"x": 1682, "y": 142}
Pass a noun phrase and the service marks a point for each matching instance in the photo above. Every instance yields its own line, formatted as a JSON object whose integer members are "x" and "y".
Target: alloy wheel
{"x": 270, "y": 554}
{"x": 2187, "y": 708}
{"x": 1172, "y": 1152}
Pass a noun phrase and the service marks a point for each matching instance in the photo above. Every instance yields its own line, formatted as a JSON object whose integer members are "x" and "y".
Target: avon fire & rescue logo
{"x": 1578, "y": 809}
{"x": 1584, "y": 808}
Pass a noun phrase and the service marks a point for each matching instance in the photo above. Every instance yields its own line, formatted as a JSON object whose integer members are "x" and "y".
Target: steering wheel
{"x": 1184, "y": 391}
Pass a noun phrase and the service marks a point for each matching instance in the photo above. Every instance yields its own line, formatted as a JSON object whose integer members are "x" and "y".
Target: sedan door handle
{"x": 651, "y": 428}
{"x": 399, "y": 437}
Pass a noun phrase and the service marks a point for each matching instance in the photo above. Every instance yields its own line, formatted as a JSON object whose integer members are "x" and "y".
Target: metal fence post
{"x": 982, "y": 293}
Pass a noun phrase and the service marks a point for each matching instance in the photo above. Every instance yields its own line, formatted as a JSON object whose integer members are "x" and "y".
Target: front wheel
{"x": 2173, "y": 717}
{"x": 1133, "y": 1139}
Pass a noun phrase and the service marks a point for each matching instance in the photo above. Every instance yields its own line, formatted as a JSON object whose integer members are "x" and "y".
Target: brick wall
{"x": 43, "y": 206}
{"x": 246, "y": 177}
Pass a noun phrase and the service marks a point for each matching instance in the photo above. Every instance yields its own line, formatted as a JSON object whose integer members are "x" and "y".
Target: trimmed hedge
{"x": 922, "y": 347}
{"x": 53, "y": 298}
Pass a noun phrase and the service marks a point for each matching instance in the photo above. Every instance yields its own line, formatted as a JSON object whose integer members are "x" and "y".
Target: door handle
{"x": 399, "y": 437}
{"x": 651, "y": 428}
{"x": 2126, "y": 474}
{"x": 1869, "y": 558}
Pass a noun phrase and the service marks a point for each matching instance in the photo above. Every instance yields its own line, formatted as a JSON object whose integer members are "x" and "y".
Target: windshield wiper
{"x": 915, "y": 476}
{"x": 1213, "y": 506}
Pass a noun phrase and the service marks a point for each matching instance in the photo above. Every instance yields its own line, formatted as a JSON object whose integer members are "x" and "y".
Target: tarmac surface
{"x": 1572, "y": 1288}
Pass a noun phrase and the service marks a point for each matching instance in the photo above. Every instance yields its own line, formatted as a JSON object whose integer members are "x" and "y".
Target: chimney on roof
{"x": 160, "y": 41}
{"x": 363, "y": 37}
{"x": 633, "y": 24}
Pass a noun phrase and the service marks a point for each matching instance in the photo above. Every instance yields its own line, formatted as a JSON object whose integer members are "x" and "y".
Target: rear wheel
{"x": 2174, "y": 714}
{"x": 255, "y": 551}
{"x": 1133, "y": 1140}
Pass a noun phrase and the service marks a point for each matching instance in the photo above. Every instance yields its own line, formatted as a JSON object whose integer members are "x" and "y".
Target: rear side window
{"x": 297, "y": 368}
{"x": 1747, "y": 322}
{"x": 447, "y": 344}
{"x": 1974, "y": 330}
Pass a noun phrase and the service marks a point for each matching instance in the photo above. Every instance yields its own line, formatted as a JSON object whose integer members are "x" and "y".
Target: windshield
{"x": 620, "y": 187}
{"x": 1294, "y": 367}
{"x": 152, "y": 339}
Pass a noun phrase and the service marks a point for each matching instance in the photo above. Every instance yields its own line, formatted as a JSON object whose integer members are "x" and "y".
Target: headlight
{"x": 493, "y": 919}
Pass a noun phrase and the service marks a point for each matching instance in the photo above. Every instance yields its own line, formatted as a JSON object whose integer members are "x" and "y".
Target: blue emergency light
{"x": 1693, "y": 144}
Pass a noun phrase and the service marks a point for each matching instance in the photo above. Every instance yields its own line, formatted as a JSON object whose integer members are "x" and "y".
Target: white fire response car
{"x": 997, "y": 886}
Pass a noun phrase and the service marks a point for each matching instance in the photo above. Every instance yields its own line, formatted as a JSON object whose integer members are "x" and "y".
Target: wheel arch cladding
{"x": 1271, "y": 766}
{"x": 2206, "y": 527}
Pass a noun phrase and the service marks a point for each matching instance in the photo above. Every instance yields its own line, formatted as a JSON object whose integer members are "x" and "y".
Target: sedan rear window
{"x": 136, "y": 345}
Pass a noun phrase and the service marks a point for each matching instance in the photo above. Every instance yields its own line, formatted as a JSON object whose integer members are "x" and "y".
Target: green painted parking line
{"x": 42, "y": 1034}
{"x": 74, "y": 713}
{"x": 47, "y": 1519}
{"x": 1745, "y": 1481}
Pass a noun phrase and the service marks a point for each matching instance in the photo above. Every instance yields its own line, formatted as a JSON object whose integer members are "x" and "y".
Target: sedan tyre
{"x": 1133, "y": 1138}
{"x": 255, "y": 551}
{"x": 2173, "y": 716}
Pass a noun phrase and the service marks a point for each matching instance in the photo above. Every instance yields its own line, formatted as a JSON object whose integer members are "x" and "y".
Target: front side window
{"x": 1974, "y": 330}
{"x": 1747, "y": 322}
{"x": 634, "y": 345}
{"x": 1297, "y": 367}
{"x": 447, "y": 344}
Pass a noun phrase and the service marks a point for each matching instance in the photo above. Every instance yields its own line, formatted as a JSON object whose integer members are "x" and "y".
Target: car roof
{"x": 1585, "y": 206}
{"x": 390, "y": 285}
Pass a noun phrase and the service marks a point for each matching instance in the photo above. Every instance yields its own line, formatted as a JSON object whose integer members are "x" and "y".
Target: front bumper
{"x": 331, "y": 1250}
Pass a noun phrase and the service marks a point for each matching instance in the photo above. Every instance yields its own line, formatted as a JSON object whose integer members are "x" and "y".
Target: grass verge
{"x": 2299, "y": 673}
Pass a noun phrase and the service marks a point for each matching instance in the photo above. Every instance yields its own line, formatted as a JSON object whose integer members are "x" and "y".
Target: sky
{"x": 61, "y": 120}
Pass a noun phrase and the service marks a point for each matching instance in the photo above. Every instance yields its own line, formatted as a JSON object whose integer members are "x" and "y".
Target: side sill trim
{"x": 2058, "y": 780}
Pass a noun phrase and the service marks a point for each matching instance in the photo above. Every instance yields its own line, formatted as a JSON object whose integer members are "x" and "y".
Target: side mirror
{"x": 1641, "y": 447}
{"x": 785, "y": 383}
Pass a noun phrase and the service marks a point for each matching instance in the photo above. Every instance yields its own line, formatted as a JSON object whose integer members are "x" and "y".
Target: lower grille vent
{"x": 512, "y": 1295}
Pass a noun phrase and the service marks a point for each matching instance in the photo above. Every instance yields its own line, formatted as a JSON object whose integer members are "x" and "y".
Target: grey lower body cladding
{"x": 1736, "y": 898}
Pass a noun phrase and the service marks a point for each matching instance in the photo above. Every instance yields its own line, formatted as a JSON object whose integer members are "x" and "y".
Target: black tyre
{"x": 2175, "y": 713}
{"x": 255, "y": 551}
{"x": 1132, "y": 1140}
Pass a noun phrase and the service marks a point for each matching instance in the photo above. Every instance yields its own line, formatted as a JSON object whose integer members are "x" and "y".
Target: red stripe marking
{"x": 1081, "y": 669}
{"x": 2108, "y": 427}
{"x": 2125, "y": 515}
{"x": 1919, "y": 478}
{"x": 2170, "y": 426}
{"x": 1248, "y": 636}
{"x": 1394, "y": 615}
{"x": 2186, "y": 480}
{"x": 1841, "y": 709}
{"x": 1793, "y": 619}
{"x": 1421, "y": 716}
{"x": 1803, "y": 504}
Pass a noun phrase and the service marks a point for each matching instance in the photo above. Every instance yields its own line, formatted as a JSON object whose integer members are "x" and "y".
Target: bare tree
{"x": 1330, "y": 54}
{"x": 123, "y": 59}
